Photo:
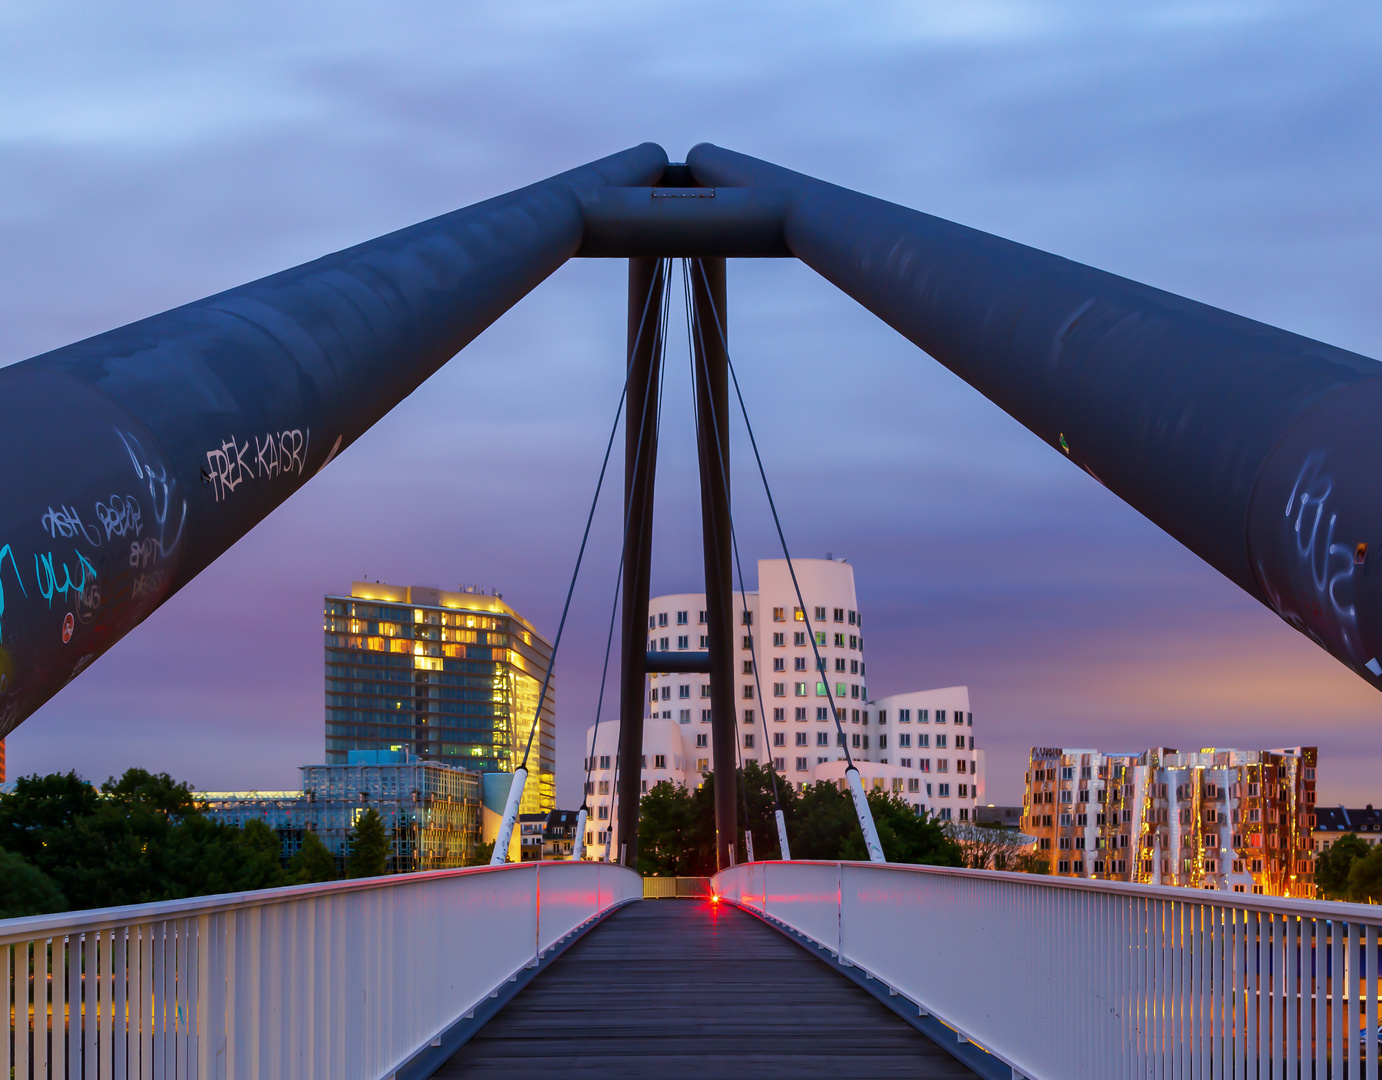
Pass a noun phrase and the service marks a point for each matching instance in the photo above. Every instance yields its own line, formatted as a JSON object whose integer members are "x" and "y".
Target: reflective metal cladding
{"x": 138, "y": 456}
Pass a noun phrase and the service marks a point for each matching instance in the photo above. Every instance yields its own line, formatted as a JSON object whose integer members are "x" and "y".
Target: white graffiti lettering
{"x": 277, "y": 453}
{"x": 120, "y": 517}
{"x": 65, "y": 523}
{"x": 143, "y": 553}
{"x": 1306, "y": 509}
{"x": 161, "y": 494}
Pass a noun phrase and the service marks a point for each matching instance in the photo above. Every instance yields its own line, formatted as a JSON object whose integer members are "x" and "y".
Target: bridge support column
{"x": 646, "y": 277}
{"x": 709, "y": 335}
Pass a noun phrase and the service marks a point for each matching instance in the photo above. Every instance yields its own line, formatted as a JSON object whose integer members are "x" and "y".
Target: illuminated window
{"x": 798, "y": 615}
{"x": 778, "y": 615}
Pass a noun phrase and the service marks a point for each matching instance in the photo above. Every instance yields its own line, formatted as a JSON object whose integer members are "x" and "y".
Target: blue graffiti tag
{"x": 6, "y": 550}
{"x": 47, "y": 579}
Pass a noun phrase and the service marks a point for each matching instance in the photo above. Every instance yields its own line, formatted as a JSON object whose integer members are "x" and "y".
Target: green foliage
{"x": 1365, "y": 877}
{"x": 1333, "y": 867}
{"x": 25, "y": 889}
{"x": 907, "y": 837}
{"x": 369, "y": 847}
{"x": 676, "y": 828}
{"x": 313, "y": 862}
{"x": 676, "y": 831}
{"x": 1030, "y": 862}
{"x": 823, "y": 823}
{"x": 140, "y": 838}
{"x": 482, "y": 856}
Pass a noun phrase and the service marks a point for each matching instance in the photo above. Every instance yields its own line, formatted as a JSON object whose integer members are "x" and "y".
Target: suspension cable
{"x": 500, "y": 853}
{"x": 693, "y": 325}
{"x": 664, "y": 302}
{"x": 811, "y": 634}
{"x": 871, "y": 842}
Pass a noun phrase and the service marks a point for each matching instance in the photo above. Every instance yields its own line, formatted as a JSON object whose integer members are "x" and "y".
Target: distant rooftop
{"x": 466, "y": 598}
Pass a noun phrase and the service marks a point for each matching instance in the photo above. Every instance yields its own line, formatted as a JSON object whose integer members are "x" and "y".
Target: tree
{"x": 369, "y": 847}
{"x": 482, "y": 856}
{"x": 1031, "y": 862}
{"x": 1333, "y": 866}
{"x": 907, "y": 837}
{"x": 675, "y": 837}
{"x": 822, "y": 822}
{"x": 313, "y": 861}
{"x": 25, "y": 889}
{"x": 157, "y": 792}
{"x": 988, "y": 846}
{"x": 757, "y": 787}
{"x": 1365, "y": 877}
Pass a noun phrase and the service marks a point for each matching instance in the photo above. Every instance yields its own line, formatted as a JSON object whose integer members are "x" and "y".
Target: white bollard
{"x": 501, "y": 843}
{"x": 861, "y": 807}
{"x": 578, "y": 851}
{"x": 782, "y": 837}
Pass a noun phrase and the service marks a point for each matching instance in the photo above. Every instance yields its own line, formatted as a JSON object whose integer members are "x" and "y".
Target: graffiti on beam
{"x": 233, "y": 463}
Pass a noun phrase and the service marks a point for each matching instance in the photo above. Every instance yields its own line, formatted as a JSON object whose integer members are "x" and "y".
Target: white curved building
{"x": 919, "y": 745}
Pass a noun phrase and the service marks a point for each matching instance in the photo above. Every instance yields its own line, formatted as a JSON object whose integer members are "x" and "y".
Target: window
{"x": 684, "y": 716}
{"x": 652, "y": 622}
{"x": 820, "y": 637}
{"x": 748, "y": 642}
{"x": 923, "y": 739}
{"x": 780, "y": 764}
{"x": 666, "y": 693}
{"x": 702, "y": 764}
{"x": 705, "y": 642}
{"x": 940, "y": 716}
{"x": 702, "y": 740}
{"x": 705, "y": 690}
{"x": 799, "y": 639}
{"x": 924, "y": 765}
{"x": 840, "y": 664}
{"x": 748, "y": 740}
{"x": 681, "y": 618}
{"x": 882, "y": 716}
{"x": 854, "y": 667}
{"x": 853, "y": 642}
{"x": 683, "y": 691}
{"x": 905, "y": 739}
{"x": 839, "y": 641}
{"x": 839, "y": 689}
{"x": 856, "y": 739}
{"x": 601, "y": 812}
{"x": 822, "y": 714}
{"x": 604, "y": 787}
{"x": 779, "y": 663}
{"x": 748, "y": 716}
{"x": 705, "y": 713}
{"x": 683, "y": 642}
{"x": 746, "y": 618}
{"x": 940, "y": 740}
{"x": 882, "y": 742}
{"x": 659, "y": 761}
{"x": 801, "y": 714}
{"x": 701, "y": 620}
{"x": 604, "y": 761}
{"x": 664, "y": 644}
{"x": 799, "y": 664}
{"x": 778, "y": 616}
{"x": 822, "y": 738}
{"x": 798, "y": 615}
{"x": 962, "y": 763}
{"x": 923, "y": 716}
{"x": 779, "y": 690}
{"x": 840, "y": 738}
{"x": 942, "y": 764}
{"x": 779, "y": 738}
{"x": 943, "y": 790}
{"x": 801, "y": 764}
{"x": 779, "y": 640}
{"x": 662, "y": 618}
{"x": 801, "y": 738}
{"x": 799, "y": 689}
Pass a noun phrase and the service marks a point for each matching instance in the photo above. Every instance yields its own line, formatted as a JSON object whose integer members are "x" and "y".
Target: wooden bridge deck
{"x": 682, "y": 988}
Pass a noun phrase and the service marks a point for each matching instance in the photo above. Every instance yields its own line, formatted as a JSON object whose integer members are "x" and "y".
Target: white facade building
{"x": 919, "y": 745}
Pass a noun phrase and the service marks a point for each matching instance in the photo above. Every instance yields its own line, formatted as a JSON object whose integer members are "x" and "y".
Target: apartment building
{"x": 919, "y": 745}
{"x": 1233, "y": 820}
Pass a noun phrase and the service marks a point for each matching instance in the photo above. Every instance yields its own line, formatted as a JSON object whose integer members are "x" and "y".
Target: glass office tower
{"x": 448, "y": 676}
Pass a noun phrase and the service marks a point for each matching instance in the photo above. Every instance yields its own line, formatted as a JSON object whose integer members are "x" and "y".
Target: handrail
{"x": 1058, "y": 978}
{"x": 344, "y": 979}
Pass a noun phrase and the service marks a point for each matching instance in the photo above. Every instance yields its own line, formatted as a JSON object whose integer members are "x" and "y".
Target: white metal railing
{"x": 1062, "y": 979}
{"x": 347, "y": 979}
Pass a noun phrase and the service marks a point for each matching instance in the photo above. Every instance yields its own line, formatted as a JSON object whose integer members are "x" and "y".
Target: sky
{"x": 153, "y": 153}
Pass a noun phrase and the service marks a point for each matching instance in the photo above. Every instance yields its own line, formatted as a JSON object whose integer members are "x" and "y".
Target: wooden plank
{"x": 672, "y": 988}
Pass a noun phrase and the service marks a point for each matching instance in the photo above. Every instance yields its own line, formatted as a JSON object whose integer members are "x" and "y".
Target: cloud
{"x": 1226, "y": 151}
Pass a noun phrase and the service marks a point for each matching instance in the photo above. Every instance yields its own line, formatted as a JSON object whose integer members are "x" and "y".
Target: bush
{"x": 25, "y": 889}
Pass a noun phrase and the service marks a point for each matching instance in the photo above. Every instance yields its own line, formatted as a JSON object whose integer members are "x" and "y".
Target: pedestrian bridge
{"x": 790, "y": 968}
